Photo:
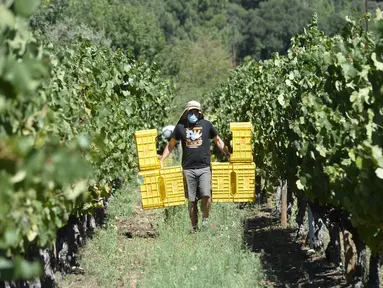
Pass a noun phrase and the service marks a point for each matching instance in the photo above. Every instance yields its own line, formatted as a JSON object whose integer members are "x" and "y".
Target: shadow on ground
{"x": 286, "y": 262}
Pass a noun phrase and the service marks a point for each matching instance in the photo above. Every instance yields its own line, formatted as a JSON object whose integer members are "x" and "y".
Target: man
{"x": 195, "y": 134}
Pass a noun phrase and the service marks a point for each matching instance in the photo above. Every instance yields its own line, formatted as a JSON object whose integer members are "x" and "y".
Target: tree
{"x": 129, "y": 27}
{"x": 271, "y": 27}
{"x": 203, "y": 65}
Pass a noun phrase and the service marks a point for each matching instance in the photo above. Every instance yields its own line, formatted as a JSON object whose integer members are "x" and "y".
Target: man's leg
{"x": 205, "y": 190}
{"x": 205, "y": 206}
{"x": 191, "y": 182}
{"x": 193, "y": 213}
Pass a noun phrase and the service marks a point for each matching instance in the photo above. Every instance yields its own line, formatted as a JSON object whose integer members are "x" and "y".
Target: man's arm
{"x": 168, "y": 149}
{"x": 218, "y": 141}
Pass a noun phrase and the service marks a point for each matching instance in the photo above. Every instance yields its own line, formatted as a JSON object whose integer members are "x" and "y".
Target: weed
{"x": 213, "y": 258}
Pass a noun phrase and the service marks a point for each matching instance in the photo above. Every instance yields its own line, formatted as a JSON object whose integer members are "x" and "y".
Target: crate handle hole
{"x": 233, "y": 183}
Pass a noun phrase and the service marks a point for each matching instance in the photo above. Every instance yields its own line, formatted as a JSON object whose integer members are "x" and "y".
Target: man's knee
{"x": 192, "y": 205}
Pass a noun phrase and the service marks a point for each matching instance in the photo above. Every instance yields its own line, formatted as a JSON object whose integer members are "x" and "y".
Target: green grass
{"x": 122, "y": 204}
{"x": 213, "y": 258}
{"x": 175, "y": 258}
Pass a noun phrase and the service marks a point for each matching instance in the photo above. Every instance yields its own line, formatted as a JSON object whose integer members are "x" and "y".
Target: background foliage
{"x": 73, "y": 92}
{"x": 67, "y": 119}
{"x": 316, "y": 116}
{"x": 168, "y": 32}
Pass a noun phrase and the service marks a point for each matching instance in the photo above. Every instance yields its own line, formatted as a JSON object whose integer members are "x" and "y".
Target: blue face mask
{"x": 192, "y": 118}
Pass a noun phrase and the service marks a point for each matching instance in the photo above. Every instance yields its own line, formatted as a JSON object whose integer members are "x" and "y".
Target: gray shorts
{"x": 198, "y": 183}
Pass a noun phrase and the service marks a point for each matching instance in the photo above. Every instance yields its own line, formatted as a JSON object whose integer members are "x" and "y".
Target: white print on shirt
{"x": 193, "y": 137}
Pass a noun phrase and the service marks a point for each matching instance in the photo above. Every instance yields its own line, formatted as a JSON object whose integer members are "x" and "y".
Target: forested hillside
{"x": 194, "y": 42}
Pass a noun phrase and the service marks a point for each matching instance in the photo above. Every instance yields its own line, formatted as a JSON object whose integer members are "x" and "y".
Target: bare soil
{"x": 286, "y": 259}
{"x": 142, "y": 224}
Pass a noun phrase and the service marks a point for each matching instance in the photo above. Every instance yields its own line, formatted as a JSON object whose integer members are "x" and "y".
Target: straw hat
{"x": 190, "y": 106}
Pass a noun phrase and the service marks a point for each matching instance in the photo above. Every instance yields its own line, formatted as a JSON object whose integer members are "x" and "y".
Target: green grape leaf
{"x": 25, "y": 8}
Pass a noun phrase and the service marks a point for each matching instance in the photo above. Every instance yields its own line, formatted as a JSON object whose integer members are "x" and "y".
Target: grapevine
{"x": 67, "y": 117}
{"x": 317, "y": 116}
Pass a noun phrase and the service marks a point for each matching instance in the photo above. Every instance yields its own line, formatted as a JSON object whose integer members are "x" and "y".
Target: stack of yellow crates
{"x": 235, "y": 181}
{"x": 161, "y": 187}
{"x": 242, "y": 160}
{"x": 231, "y": 182}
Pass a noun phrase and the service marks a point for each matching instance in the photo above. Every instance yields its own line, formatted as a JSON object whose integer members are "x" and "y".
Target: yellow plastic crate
{"x": 221, "y": 182}
{"x": 147, "y": 150}
{"x": 242, "y": 146}
{"x": 173, "y": 186}
{"x": 152, "y": 196}
{"x": 244, "y": 182}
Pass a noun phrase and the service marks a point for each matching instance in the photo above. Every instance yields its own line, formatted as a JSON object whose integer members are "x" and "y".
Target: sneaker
{"x": 193, "y": 230}
{"x": 205, "y": 225}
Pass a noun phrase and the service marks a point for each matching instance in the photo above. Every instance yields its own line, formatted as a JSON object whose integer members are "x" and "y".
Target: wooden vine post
{"x": 284, "y": 204}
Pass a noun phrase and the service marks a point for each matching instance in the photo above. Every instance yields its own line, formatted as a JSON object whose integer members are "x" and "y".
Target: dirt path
{"x": 122, "y": 247}
{"x": 285, "y": 259}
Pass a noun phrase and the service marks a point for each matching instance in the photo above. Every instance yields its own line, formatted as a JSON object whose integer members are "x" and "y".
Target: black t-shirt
{"x": 195, "y": 140}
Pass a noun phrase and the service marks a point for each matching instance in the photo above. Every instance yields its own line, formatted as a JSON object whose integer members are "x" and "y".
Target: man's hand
{"x": 221, "y": 145}
{"x": 169, "y": 147}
